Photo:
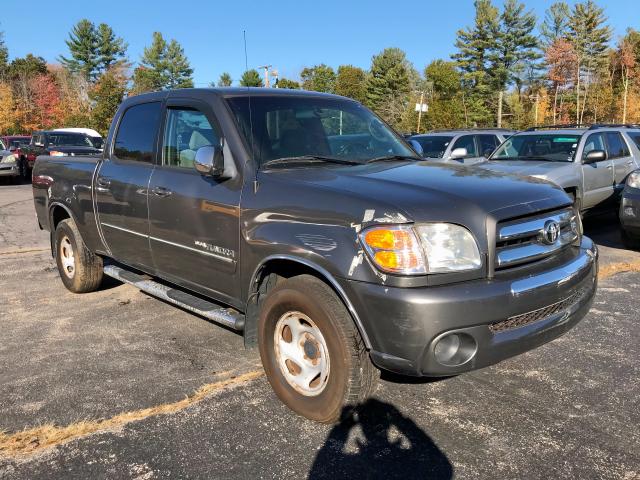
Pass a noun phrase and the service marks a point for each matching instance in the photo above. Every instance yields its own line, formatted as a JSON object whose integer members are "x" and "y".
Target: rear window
{"x": 434, "y": 146}
{"x": 69, "y": 140}
{"x": 137, "y": 131}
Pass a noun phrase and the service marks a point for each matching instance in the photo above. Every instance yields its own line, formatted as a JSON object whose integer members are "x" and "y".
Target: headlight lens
{"x": 428, "y": 248}
{"x": 8, "y": 158}
{"x": 633, "y": 180}
{"x": 449, "y": 248}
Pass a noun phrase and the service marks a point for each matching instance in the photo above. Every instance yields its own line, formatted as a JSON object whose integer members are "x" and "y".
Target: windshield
{"x": 433, "y": 146}
{"x": 287, "y": 127}
{"x": 2, "y": 146}
{"x": 69, "y": 140}
{"x": 548, "y": 147}
{"x": 97, "y": 141}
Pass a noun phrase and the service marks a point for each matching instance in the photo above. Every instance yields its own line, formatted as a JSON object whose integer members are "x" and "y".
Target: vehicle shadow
{"x": 604, "y": 229}
{"x": 375, "y": 440}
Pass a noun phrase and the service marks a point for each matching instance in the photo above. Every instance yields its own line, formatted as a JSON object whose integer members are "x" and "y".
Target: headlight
{"x": 427, "y": 248}
{"x": 633, "y": 180}
{"x": 8, "y": 158}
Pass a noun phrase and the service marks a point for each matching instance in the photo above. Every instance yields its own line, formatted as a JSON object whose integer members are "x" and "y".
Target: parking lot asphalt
{"x": 116, "y": 384}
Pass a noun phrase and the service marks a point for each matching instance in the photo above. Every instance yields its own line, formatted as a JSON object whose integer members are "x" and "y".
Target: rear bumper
{"x": 504, "y": 316}
{"x": 630, "y": 211}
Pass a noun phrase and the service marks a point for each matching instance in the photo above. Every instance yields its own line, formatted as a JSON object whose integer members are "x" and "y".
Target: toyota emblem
{"x": 550, "y": 232}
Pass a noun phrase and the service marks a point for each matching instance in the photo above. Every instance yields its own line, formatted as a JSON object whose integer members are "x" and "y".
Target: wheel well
{"x": 269, "y": 274}
{"x": 58, "y": 214}
{"x": 572, "y": 191}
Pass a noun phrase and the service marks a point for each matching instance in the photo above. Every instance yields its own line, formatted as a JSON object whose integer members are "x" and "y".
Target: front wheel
{"x": 313, "y": 355}
{"x": 80, "y": 269}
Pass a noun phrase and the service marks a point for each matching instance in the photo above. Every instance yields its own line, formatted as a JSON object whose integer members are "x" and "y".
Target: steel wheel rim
{"x": 301, "y": 353}
{"x": 66, "y": 257}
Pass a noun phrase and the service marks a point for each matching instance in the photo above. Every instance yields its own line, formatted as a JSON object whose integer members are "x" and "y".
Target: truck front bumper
{"x": 9, "y": 170}
{"x": 491, "y": 319}
{"x": 630, "y": 211}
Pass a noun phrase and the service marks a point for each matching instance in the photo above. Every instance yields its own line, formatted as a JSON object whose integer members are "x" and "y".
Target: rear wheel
{"x": 311, "y": 351}
{"x": 630, "y": 241}
{"x": 80, "y": 269}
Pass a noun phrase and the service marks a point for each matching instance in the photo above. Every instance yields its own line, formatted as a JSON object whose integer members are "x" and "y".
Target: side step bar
{"x": 225, "y": 316}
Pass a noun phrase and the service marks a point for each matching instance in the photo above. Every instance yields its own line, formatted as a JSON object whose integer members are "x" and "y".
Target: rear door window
{"x": 136, "y": 136}
{"x": 468, "y": 142}
{"x": 616, "y": 148}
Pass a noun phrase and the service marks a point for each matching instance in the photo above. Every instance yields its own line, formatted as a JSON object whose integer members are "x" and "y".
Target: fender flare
{"x": 325, "y": 275}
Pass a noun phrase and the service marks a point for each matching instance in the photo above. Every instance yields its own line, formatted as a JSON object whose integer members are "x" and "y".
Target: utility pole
{"x": 420, "y": 110}
{"x": 266, "y": 75}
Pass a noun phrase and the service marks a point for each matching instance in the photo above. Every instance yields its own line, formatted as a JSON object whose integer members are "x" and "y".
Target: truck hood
{"x": 427, "y": 191}
{"x": 525, "y": 167}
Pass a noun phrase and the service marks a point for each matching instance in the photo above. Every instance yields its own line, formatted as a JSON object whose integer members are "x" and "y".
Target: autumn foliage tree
{"x": 561, "y": 61}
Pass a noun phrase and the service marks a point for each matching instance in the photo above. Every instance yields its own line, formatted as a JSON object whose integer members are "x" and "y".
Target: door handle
{"x": 609, "y": 167}
{"x": 103, "y": 185}
{"x": 161, "y": 191}
{"x": 629, "y": 163}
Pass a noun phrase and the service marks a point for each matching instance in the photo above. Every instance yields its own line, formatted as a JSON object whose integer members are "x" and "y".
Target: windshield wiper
{"x": 388, "y": 158}
{"x": 309, "y": 159}
{"x": 542, "y": 159}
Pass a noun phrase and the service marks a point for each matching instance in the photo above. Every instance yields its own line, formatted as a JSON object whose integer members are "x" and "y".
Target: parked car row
{"x": 18, "y": 153}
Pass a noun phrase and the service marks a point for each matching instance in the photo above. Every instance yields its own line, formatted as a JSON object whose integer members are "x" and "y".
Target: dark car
{"x": 55, "y": 143}
{"x": 301, "y": 220}
{"x": 630, "y": 210}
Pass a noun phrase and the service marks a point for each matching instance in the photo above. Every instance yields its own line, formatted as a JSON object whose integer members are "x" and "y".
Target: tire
{"x": 80, "y": 270}
{"x": 630, "y": 241}
{"x": 23, "y": 169}
{"x": 304, "y": 307}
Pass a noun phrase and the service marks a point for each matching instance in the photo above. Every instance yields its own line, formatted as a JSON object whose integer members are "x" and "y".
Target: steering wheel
{"x": 378, "y": 130}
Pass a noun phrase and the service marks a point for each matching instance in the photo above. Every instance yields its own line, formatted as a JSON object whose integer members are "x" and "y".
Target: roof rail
{"x": 596, "y": 126}
{"x": 475, "y": 129}
{"x": 556, "y": 127}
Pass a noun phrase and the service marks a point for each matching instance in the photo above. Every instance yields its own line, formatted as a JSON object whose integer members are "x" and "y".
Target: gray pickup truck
{"x": 303, "y": 221}
{"x": 590, "y": 164}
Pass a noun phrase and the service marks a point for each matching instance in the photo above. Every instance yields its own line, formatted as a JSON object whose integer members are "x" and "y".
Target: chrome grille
{"x": 530, "y": 239}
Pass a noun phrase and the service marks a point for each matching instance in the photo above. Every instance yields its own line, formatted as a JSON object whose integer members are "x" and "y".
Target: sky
{"x": 286, "y": 34}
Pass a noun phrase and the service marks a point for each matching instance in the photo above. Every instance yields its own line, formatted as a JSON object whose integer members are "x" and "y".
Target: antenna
{"x": 246, "y": 62}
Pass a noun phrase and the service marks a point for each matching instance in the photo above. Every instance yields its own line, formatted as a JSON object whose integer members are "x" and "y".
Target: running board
{"x": 225, "y": 316}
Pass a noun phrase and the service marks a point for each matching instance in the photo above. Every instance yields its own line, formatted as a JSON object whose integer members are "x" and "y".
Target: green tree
{"x": 512, "y": 47}
{"x": 92, "y": 49}
{"x": 350, "y": 82}
{"x": 590, "y": 36}
{"x": 107, "y": 94}
{"x": 83, "y": 48}
{"x": 27, "y": 67}
{"x": 111, "y": 48}
{"x": 162, "y": 66}
{"x": 389, "y": 84}
{"x": 225, "y": 80}
{"x": 251, "y": 78}
{"x": 4, "y": 56}
{"x": 555, "y": 24}
{"x": 286, "y": 83}
{"x": 474, "y": 45}
{"x": 319, "y": 78}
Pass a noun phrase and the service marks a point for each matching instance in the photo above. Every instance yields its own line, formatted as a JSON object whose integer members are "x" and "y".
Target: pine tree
{"x": 251, "y": 78}
{"x": 513, "y": 46}
{"x": 319, "y": 78}
{"x": 388, "y": 85}
{"x": 83, "y": 47}
{"x": 556, "y": 23}
{"x": 4, "y": 57}
{"x": 111, "y": 49}
{"x": 590, "y": 36}
{"x": 350, "y": 82}
{"x": 225, "y": 80}
{"x": 163, "y": 66}
{"x": 474, "y": 45}
{"x": 286, "y": 83}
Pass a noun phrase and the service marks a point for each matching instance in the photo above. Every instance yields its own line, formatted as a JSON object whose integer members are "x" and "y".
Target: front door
{"x": 469, "y": 143}
{"x": 194, "y": 218}
{"x": 121, "y": 186}
{"x": 598, "y": 177}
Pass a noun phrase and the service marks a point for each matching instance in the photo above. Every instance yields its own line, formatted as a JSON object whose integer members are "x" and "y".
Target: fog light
{"x": 454, "y": 349}
{"x": 629, "y": 212}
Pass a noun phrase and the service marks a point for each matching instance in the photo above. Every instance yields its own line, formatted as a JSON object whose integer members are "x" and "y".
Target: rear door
{"x": 597, "y": 177}
{"x": 122, "y": 183}
{"x": 620, "y": 155}
{"x": 194, "y": 218}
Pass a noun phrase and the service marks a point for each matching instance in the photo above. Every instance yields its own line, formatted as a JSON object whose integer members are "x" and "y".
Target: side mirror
{"x": 417, "y": 147}
{"x": 459, "y": 153}
{"x": 595, "y": 156}
{"x": 209, "y": 160}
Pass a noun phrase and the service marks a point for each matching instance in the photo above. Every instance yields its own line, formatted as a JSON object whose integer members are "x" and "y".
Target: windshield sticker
{"x": 564, "y": 140}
